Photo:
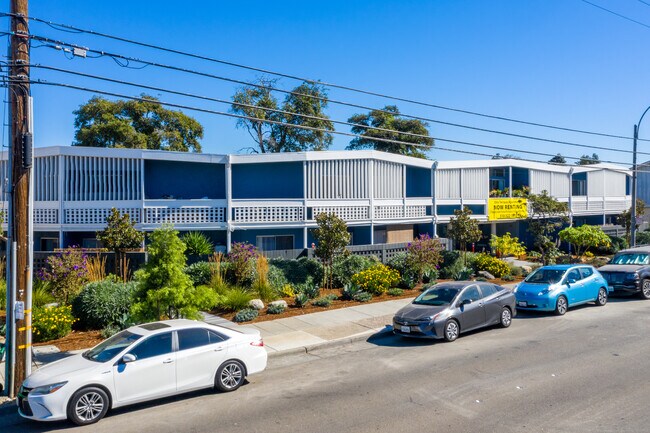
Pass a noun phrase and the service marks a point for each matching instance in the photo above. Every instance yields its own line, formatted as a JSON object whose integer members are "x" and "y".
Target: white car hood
{"x": 60, "y": 371}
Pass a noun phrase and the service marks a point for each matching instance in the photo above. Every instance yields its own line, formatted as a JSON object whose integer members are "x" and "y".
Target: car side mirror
{"x": 128, "y": 358}
{"x": 571, "y": 281}
{"x": 465, "y": 302}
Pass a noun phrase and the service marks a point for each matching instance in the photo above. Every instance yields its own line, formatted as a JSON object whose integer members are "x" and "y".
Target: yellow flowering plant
{"x": 50, "y": 323}
{"x": 376, "y": 280}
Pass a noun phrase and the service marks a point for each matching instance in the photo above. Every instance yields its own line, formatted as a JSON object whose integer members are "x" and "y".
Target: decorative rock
{"x": 527, "y": 269}
{"x": 280, "y": 302}
{"x": 486, "y": 275}
{"x": 256, "y": 304}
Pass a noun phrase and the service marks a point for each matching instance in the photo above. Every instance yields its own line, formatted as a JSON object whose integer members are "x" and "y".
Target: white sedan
{"x": 141, "y": 363}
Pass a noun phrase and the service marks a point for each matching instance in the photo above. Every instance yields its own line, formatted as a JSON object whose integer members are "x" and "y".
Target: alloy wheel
{"x": 231, "y": 375}
{"x": 561, "y": 306}
{"x": 89, "y": 406}
{"x": 646, "y": 289}
{"x": 506, "y": 318}
{"x": 451, "y": 330}
{"x": 602, "y": 297}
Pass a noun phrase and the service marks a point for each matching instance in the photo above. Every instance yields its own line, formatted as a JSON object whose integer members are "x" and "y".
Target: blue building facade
{"x": 272, "y": 200}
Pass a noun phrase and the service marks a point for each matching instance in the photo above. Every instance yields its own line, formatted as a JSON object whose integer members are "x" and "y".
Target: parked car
{"x": 141, "y": 363}
{"x": 558, "y": 287}
{"x": 447, "y": 309}
{"x": 629, "y": 272}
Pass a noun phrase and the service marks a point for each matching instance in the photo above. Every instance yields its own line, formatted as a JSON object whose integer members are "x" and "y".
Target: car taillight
{"x": 258, "y": 343}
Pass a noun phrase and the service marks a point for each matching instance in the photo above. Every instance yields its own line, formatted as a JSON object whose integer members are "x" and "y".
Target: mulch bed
{"x": 75, "y": 340}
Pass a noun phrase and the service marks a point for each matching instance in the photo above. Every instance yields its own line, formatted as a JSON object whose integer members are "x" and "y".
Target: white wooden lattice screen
{"x": 184, "y": 215}
{"x": 248, "y": 214}
{"x": 347, "y": 213}
{"x": 97, "y": 216}
{"x": 46, "y": 216}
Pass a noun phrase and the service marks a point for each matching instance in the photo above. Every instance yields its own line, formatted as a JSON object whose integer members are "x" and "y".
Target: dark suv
{"x": 629, "y": 272}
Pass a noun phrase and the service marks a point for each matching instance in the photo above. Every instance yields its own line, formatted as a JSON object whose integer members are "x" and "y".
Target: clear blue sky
{"x": 561, "y": 62}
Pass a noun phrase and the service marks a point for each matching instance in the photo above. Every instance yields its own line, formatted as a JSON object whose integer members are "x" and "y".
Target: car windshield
{"x": 107, "y": 349}
{"x": 545, "y": 276}
{"x": 631, "y": 259}
{"x": 437, "y": 296}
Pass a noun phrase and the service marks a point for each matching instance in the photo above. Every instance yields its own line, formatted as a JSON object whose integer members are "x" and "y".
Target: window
{"x": 191, "y": 338}
{"x": 155, "y": 345}
{"x": 498, "y": 172}
{"x": 497, "y": 184}
{"x": 573, "y": 275}
{"x": 49, "y": 244}
{"x": 471, "y": 293}
{"x": 215, "y": 337}
{"x": 90, "y": 243}
{"x": 578, "y": 187}
{"x": 586, "y": 272}
{"x": 488, "y": 289}
{"x": 271, "y": 243}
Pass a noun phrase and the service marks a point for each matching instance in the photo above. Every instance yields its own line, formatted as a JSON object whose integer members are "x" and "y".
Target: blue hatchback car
{"x": 558, "y": 287}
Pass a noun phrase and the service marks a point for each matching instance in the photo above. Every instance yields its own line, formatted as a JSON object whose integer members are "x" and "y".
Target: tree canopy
{"x": 588, "y": 160}
{"x": 463, "y": 229}
{"x": 270, "y": 125}
{"x": 331, "y": 239}
{"x": 135, "y": 124}
{"x": 400, "y": 129}
{"x": 584, "y": 237}
{"x": 557, "y": 159}
{"x": 625, "y": 218}
{"x": 546, "y": 216}
{"x": 120, "y": 235}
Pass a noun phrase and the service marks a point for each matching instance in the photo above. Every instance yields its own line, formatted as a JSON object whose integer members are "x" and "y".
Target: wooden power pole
{"x": 19, "y": 185}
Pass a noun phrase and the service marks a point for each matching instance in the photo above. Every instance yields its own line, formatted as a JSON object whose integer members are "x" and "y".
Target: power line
{"x": 221, "y": 113}
{"x": 73, "y": 29}
{"x": 58, "y": 45}
{"x": 617, "y": 14}
{"x": 644, "y": 2}
{"x": 272, "y": 110}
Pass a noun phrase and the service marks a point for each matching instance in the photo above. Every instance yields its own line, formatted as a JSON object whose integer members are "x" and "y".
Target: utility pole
{"x": 633, "y": 209}
{"x": 19, "y": 274}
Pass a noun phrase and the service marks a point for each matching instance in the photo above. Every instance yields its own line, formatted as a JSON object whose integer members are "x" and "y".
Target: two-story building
{"x": 271, "y": 200}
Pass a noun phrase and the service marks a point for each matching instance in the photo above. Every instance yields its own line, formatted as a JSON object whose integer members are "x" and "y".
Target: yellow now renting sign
{"x": 507, "y": 208}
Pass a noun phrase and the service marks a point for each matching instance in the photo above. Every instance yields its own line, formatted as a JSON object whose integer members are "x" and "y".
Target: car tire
{"x": 645, "y": 288}
{"x": 451, "y": 330}
{"x": 561, "y": 305}
{"x": 88, "y": 405}
{"x": 505, "y": 319}
{"x": 601, "y": 299}
{"x": 230, "y": 376}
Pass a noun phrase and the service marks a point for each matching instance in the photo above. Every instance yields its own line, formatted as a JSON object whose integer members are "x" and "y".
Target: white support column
{"x": 510, "y": 186}
{"x": 460, "y": 180}
{"x": 403, "y": 190}
{"x": 304, "y": 204}
{"x": 228, "y": 202}
{"x": 141, "y": 185}
{"x": 304, "y": 237}
{"x": 61, "y": 192}
{"x": 371, "y": 198}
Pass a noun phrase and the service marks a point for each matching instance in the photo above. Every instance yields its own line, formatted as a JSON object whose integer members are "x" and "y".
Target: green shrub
{"x": 344, "y": 267}
{"x": 246, "y": 315}
{"x": 516, "y": 271}
{"x": 616, "y": 244}
{"x": 376, "y": 280}
{"x": 362, "y": 297}
{"x": 643, "y": 238}
{"x": 395, "y": 291}
{"x": 301, "y": 299}
{"x": 308, "y": 288}
{"x": 423, "y": 254}
{"x": 508, "y": 278}
{"x": 349, "y": 291}
{"x": 200, "y": 273}
{"x": 497, "y": 267}
{"x": 480, "y": 279}
{"x": 109, "y": 331}
{"x": 276, "y": 278}
{"x": 322, "y": 302}
{"x": 51, "y": 323}
{"x": 331, "y": 297}
{"x": 41, "y": 294}
{"x": 452, "y": 264}
{"x": 407, "y": 272}
{"x": 297, "y": 271}
{"x": 234, "y": 299}
{"x": 104, "y": 303}
{"x": 275, "y": 309}
{"x": 3, "y": 294}
{"x": 198, "y": 244}
{"x": 463, "y": 274}
{"x": 264, "y": 291}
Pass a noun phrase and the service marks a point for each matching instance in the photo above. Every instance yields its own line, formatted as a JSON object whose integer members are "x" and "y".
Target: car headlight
{"x": 514, "y": 289}
{"x": 47, "y": 389}
{"x": 545, "y": 291}
{"x": 632, "y": 276}
{"x": 431, "y": 318}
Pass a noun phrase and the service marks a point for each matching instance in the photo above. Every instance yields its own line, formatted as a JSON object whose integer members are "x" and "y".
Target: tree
{"x": 164, "y": 290}
{"x": 557, "y": 159}
{"x": 546, "y": 216}
{"x": 422, "y": 254}
{"x": 625, "y": 218}
{"x": 399, "y": 129}
{"x": 135, "y": 124}
{"x": 588, "y": 160}
{"x": 331, "y": 239}
{"x": 463, "y": 229}
{"x": 507, "y": 245}
{"x": 271, "y": 126}
{"x": 584, "y": 237}
{"x": 120, "y": 235}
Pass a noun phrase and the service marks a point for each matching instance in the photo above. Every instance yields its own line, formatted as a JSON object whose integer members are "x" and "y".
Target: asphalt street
{"x": 584, "y": 372}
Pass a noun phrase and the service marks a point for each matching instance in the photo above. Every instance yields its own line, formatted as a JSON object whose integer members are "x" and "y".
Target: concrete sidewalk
{"x": 302, "y": 332}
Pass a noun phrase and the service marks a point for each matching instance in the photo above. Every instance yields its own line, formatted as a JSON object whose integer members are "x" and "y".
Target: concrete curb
{"x": 373, "y": 334}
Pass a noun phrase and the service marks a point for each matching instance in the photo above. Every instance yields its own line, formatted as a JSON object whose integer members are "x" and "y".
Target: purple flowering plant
{"x": 242, "y": 259}
{"x": 423, "y": 253}
{"x": 67, "y": 272}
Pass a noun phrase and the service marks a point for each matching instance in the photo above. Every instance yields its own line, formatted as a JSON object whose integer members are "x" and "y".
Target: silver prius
{"x": 447, "y": 309}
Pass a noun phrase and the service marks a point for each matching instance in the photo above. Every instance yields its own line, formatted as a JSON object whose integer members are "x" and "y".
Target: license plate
{"x": 405, "y": 329}
{"x": 522, "y": 303}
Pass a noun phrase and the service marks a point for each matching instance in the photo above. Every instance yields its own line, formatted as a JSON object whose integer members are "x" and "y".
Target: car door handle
{"x": 219, "y": 349}
{"x": 168, "y": 361}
